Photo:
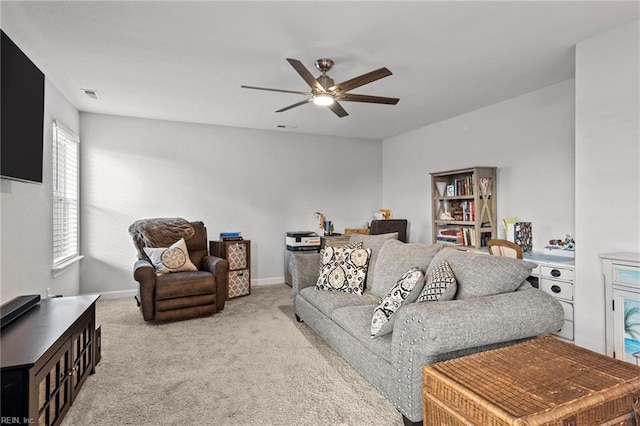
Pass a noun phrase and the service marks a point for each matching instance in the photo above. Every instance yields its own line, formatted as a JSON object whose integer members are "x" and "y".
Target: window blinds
{"x": 65, "y": 195}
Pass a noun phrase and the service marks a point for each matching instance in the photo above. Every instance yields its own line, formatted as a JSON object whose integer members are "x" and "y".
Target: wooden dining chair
{"x": 505, "y": 248}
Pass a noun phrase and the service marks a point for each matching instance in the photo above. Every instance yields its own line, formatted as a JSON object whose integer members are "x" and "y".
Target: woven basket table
{"x": 543, "y": 381}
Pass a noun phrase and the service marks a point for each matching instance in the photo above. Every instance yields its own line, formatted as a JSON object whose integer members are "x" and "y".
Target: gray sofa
{"x": 493, "y": 307}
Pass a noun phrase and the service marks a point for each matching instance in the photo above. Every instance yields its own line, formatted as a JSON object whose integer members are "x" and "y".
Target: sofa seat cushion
{"x": 356, "y": 320}
{"x": 328, "y": 301}
{"x": 183, "y": 284}
{"x": 396, "y": 258}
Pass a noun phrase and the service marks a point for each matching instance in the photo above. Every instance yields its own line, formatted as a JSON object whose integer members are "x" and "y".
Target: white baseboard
{"x": 268, "y": 281}
{"x": 123, "y": 294}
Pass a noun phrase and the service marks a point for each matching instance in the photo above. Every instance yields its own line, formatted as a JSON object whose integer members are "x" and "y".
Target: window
{"x": 65, "y": 197}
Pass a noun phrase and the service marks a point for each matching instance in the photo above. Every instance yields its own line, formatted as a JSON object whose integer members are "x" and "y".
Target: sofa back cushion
{"x": 479, "y": 275}
{"x": 373, "y": 242}
{"x": 396, "y": 258}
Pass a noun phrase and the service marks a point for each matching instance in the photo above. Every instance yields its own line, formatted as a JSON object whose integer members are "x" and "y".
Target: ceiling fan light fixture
{"x": 324, "y": 99}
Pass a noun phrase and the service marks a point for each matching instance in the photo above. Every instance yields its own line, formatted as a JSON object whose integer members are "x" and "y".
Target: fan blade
{"x": 337, "y": 109}
{"x": 305, "y": 74}
{"x": 297, "y": 104}
{"x": 352, "y": 97}
{"x": 361, "y": 80}
{"x": 276, "y": 90}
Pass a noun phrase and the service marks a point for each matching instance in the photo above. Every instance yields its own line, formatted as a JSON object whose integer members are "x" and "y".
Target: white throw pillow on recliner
{"x": 170, "y": 259}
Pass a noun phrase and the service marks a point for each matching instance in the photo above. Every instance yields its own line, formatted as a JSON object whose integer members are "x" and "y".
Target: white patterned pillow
{"x": 170, "y": 259}
{"x": 343, "y": 269}
{"x": 349, "y": 245}
{"x": 441, "y": 284}
{"x": 405, "y": 290}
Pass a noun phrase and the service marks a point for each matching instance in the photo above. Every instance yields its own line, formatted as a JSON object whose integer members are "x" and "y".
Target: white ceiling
{"x": 186, "y": 61}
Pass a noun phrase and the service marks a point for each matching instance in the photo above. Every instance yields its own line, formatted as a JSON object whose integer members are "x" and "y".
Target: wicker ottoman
{"x": 543, "y": 381}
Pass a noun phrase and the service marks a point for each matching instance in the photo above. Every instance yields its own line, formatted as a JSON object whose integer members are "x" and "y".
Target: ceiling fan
{"x": 325, "y": 92}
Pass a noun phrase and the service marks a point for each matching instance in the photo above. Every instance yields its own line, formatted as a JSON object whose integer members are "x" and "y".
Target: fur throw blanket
{"x": 161, "y": 232}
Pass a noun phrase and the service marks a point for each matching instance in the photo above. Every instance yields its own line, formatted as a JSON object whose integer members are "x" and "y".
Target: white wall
{"x": 607, "y": 167}
{"x": 529, "y": 138}
{"x": 261, "y": 183}
{"x": 27, "y": 219}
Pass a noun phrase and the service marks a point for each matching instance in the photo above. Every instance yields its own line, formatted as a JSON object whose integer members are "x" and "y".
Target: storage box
{"x": 239, "y": 283}
{"x": 543, "y": 381}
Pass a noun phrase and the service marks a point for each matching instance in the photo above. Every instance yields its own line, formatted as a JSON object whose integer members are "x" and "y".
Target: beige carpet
{"x": 252, "y": 364}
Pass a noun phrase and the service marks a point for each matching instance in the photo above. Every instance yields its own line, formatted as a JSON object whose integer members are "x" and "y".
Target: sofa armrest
{"x": 425, "y": 333}
{"x": 305, "y": 270}
{"x": 145, "y": 274}
{"x": 219, "y": 268}
{"x": 460, "y": 324}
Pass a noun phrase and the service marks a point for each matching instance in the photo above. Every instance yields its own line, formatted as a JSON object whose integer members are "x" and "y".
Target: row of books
{"x": 462, "y": 236}
{"x": 463, "y": 186}
{"x": 468, "y": 210}
{"x": 230, "y": 236}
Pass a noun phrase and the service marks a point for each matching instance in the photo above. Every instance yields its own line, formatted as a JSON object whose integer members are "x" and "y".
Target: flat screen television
{"x": 21, "y": 114}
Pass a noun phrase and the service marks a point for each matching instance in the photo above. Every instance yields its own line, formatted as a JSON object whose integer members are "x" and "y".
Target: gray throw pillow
{"x": 395, "y": 258}
{"x": 481, "y": 275}
{"x": 373, "y": 242}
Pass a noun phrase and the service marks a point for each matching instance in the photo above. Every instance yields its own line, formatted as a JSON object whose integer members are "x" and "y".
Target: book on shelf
{"x": 230, "y": 236}
{"x": 448, "y": 236}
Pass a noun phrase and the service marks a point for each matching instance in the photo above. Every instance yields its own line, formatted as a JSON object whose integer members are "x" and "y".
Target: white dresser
{"x": 555, "y": 275}
{"x": 622, "y": 305}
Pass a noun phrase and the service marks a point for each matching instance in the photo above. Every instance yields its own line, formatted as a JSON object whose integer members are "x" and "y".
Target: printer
{"x": 302, "y": 241}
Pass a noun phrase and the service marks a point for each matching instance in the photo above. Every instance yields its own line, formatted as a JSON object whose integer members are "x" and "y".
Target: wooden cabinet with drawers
{"x": 556, "y": 277}
{"x": 238, "y": 254}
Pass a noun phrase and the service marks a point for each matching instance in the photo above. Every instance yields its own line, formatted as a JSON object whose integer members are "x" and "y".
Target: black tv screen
{"x": 21, "y": 114}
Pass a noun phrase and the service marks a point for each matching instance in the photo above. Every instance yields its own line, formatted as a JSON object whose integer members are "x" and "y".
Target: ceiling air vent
{"x": 93, "y": 94}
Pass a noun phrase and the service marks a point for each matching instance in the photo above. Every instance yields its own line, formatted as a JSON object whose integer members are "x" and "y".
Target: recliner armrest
{"x": 219, "y": 268}
{"x": 145, "y": 274}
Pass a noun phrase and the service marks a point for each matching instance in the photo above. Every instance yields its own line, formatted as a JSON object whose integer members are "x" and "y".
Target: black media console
{"x": 46, "y": 355}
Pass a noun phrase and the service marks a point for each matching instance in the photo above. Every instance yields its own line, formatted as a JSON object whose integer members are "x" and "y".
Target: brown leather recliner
{"x": 182, "y": 295}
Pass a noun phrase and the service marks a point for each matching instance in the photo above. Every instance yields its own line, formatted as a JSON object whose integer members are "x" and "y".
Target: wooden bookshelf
{"x": 464, "y": 206}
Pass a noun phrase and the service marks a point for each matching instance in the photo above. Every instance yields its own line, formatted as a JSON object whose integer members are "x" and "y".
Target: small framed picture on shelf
{"x": 451, "y": 191}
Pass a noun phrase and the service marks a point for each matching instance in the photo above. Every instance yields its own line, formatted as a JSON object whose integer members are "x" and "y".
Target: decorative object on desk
{"x": 564, "y": 248}
{"x": 317, "y": 223}
{"x": 508, "y": 225}
{"x": 386, "y": 214}
{"x": 442, "y": 188}
{"x": 523, "y": 236}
